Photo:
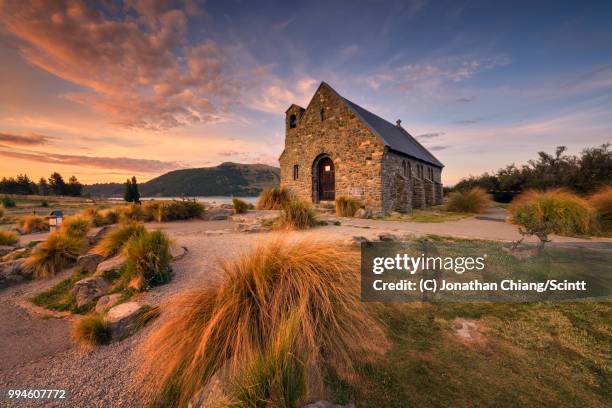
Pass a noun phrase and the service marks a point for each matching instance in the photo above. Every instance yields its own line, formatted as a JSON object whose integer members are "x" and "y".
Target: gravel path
{"x": 36, "y": 352}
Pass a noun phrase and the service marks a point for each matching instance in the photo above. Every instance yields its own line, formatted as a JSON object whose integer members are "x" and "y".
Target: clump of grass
{"x": 475, "y": 200}
{"x": 101, "y": 218}
{"x": 57, "y": 252}
{"x": 76, "y": 226}
{"x": 558, "y": 211}
{"x": 32, "y": 223}
{"x": 133, "y": 212}
{"x": 274, "y": 198}
{"x": 282, "y": 315}
{"x": 112, "y": 243}
{"x": 59, "y": 297}
{"x": 91, "y": 330}
{"x": 8, "y": 238}
{"x": 44, "y": 203}
{"x": 297, "y": 215}
{"x": 1, "y": 212}
{"x": 240, "y": 207}
{"x": 163, "y": 211}
{"x": 8, "y": 202}
{"x": 148, "y": 257}
{"x": 601, "y": 201}
{"x": 346, "y": 206}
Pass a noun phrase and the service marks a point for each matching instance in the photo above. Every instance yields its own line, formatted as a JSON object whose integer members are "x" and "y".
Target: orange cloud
{"x": 27, "y": 139}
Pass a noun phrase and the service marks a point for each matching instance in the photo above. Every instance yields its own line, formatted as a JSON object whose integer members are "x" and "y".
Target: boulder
{"x": 217, "y": 213}
{"x": 114, "y": 263}
{"x": 363, "y": 213}
{"x": 227, "y": 206}
{"x": 89, "y": 289}
{"x": 18, "y": 253}
{"x": 123, "y": 319}
{"x": 387, "y": 237}
{"x": 177, "y": 252}
{"x": 6, "y": 249}
{"x": 248, "y": 227}
{"x": 96, "y": 236}
{"x": 89, "y": 262}
{"x": 106, "y": 302}
{"x": 12, "y": 272}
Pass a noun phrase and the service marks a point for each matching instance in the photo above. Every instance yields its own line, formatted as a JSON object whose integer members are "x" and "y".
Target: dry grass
{"x": 32, "y": 223}
{"x": 475, "y": 200}
{"x": 283, "y": 315}
{"x": 163, "y": 211}
{"x": 91, "y": 330}
{"x": 57, "y": 252}
{"x": 100, "y": 218}
{"x": 297, "y": 215}
{"x": 76, "y": 226}
{"x": 601, "y": 201}
{"x": 240, "y": 207}
{"x": 114, "y": 240}
{"x": 274, "y": 198}
{"x": 8, "y": 238}
{"x": 552, "y": 212}
{"x": 148, "y": 257}
{"x": 1, "y": 212}
{"x": 346, "y": 206}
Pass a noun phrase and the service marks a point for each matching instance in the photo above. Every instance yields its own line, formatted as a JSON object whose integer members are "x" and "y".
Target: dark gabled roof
{"x": 393, "y": 136}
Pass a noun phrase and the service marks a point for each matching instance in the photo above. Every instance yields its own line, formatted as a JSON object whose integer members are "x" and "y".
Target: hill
{"x": 225, "y": 179}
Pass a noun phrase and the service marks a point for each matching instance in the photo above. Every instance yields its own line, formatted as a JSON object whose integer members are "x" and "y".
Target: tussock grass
{"x": 297, "y": 215}
{"x": 148, "y": 257}
{"x": 133, "y": 212}
{"x": 1, "y": 212}
{"x": 76, "y": 226}
{"x": 274, "y": 198}
{"x": 59, "y": 297}
{"x": 112, "y": 243}
{"x": 8, "y": 238}
{"x": 552, "y": 212}
{"x": 32, "y": 223}
{"x": 163, "y": 211}
{"x": 91, "y": 330}
{"x": 601, "y": 201}
{"x": 100, "y": 218}
{"x": 346, "y": 206}
{"x": 240, "y": 207}
{"x": 282, "y": 316}
{"x": 57, "y": 252}
{"x": 475, "y": 200}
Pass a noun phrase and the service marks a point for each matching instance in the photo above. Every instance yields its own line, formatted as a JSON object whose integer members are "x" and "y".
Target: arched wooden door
{"x": 326, "y": 180}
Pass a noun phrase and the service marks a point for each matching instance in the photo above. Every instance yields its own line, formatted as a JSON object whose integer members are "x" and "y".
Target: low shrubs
{"x": 8, "y": 238}
{"x": 148, "y": 258}
{"x": 297, "y": 215}
{"x": 114, "y": 240}
{"x": 475, "y": 200}
{"x": 162, "y": 211}
{"x": 101, "y": 218}
{"x": 8, "y": 202}
{"x": 32, "y": 223}
{"x": 1, "y": 213}
{"x": 346, "y": 206}
{"x": 601, "y": 201}
{"x": 240, "y": 207}
{"x": 274, "y": 198}
{"x": 133, "y": 212}
{"x": 283, "y": 316}
{"x": 91, "y": 330}
{"x": 76, "y": 226}
{"x": 542, "y": 213}
{"x": 57, "y": 252}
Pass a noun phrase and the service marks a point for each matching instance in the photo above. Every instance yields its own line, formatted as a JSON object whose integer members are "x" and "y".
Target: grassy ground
{"x": 429, "y": 215}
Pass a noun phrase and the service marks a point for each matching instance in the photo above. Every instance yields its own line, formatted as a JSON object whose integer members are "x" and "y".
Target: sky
{"x": 106, "y": 90}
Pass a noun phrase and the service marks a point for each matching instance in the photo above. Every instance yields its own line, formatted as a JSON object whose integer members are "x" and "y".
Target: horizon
{"x": 113, "y": 90}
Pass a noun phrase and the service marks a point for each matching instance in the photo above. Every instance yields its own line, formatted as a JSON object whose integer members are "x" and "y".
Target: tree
{"x": 134, "y": 190}
{"x": 57, "y": 184}
{"x": 74, "y": 188}
{"x": 43, "y": 187}
{"x": 128, "y": 194}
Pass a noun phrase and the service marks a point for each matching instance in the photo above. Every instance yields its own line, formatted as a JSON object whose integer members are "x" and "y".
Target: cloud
{"x": 466, "y": 99}
{"x": 116, "y": 163}
{"x": 278, "y": 97}
{"x": 437, "y": 148}
{"x": 135, "y": 65}
{"x": 430, "y": 135}
{"x": 27, "y": 139}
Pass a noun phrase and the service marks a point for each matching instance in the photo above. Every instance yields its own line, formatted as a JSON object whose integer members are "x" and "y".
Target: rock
{"x": 177, "y": 252}
{"x": 114, "y": 263}
{"x": 357, "y": 240}
{"x": 106, "y": 302}
{"x": 6, "y": 249}
{"x": 248, "y": 227}
{"x": 95, "y": 237}
{"x": 227, "y": 206}
{"x": 89, "y": 289}
{"x": 387, "y": 237}
{"x": 217, "y": 214}
{"x": 89, "y": 262}
{"x": 363, "y": 213}
{"x": 327, "y": 404}
{"x": 12, "y": 272}
{"x": 123, "y": 319}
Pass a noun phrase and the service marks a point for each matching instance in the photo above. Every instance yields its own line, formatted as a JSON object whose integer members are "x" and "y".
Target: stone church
{"x": 336, "y": 148}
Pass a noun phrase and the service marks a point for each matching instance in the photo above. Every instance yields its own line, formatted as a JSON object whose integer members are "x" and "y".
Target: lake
{"x": 203, "y": 199}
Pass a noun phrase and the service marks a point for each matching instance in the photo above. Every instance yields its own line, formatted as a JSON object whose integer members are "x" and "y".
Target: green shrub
{"x": 475, "y": 200}
{"x": 76, "y": 226}
{"x": 163, "y": 211}
{"x": 112, "y": 243}
{"x": 133, "y": 212}
{"x": 601, "y": 201}
{"x": 44, "y": 203}
{"x": 542, "y": 213}
{"x": 240, "y": 207}
{"x": 8, "y": 238}
{"x": 297, "y": 215}
{"x": 91, "y": 330}
{"x": 57, "y": 252}
{"x": 8, "y": 202}
{"x": 274, "y": 198}
{"x": 148, "y": 258}
{"x": 100, "y": 218}
{"x": 32, "y": 223}
{"x": 346, "y": 206}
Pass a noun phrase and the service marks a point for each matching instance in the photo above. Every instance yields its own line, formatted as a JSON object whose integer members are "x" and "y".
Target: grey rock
{"x": 114, "y": 263}
{"x": 178, "y": 252}
{"x": 217, "y": 214}
{"x": 363, "y": 213}
{"x": 89, "y": 262}
{"x": 6, "y": 249}
{"x": 12, "y": 272}
{"x": 106, "y": 302}
{"x": 123, "y": 319}
{"x": 387, "y": 237}
{"x": 89, "y": 289}
{"x": 248, "y": 227}
{"x": 95, "y": 237}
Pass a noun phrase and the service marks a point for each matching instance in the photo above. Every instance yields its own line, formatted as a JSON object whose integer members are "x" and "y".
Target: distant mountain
{"x": 225, "y": 179}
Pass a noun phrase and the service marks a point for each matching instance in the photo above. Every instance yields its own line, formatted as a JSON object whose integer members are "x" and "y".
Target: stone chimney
{"x": 398, "y": 123}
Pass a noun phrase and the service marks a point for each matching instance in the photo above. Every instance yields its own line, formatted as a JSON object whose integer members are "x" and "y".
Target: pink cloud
{"x": 27, "y": 139}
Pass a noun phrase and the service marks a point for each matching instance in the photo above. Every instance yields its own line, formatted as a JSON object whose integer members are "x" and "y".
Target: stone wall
{"x": 428, "y": 187}
{"x": 439, "y": 193}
